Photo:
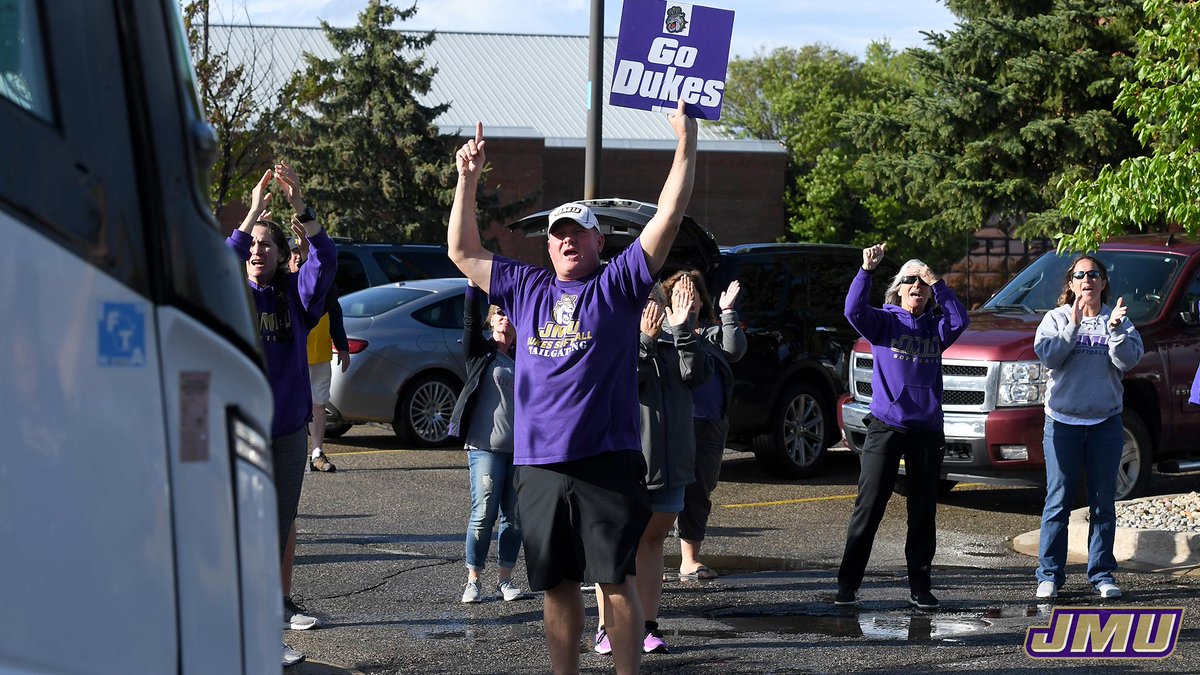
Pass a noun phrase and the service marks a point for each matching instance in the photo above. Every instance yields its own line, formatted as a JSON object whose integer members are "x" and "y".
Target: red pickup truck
{"x": 995, "y": 386}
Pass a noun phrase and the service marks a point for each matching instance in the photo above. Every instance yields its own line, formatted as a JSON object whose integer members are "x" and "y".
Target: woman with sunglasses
{"x": 920, "y": 318}
{"x": 1087, "y": 345}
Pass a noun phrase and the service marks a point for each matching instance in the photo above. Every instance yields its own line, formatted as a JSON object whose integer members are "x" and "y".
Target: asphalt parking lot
{"x": 380, "y": 551}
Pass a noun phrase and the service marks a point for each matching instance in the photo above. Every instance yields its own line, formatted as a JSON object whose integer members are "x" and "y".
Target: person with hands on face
{"x": 483, "y": 416}
{"x": 920, "y": 318}
{"x": 288, "y": 306}
{"x": 724, "y": 340}
{"x": 1087, "y": 345}
{"x": 580, "y": 474}
{"x": 671, "y": 364}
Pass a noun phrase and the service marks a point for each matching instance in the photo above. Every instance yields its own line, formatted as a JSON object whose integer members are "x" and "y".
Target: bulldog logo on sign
{"x": 676, "y": 20}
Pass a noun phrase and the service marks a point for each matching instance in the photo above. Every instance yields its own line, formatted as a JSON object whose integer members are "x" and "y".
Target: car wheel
{"x": 1133, "y": 474}
{"x": 796, "y": 445}
{"x": 423, "y": 411}
{"x": 336, "y": 430}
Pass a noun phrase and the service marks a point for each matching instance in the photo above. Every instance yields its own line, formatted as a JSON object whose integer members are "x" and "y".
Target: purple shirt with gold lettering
{"x": 577, "y": 347}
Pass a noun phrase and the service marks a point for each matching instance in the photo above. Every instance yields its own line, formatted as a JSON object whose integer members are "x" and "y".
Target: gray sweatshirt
{"x": 1086, "y": 361}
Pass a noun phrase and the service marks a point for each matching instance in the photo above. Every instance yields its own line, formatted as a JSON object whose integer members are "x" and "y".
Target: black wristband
{"x": 308, "y": 216}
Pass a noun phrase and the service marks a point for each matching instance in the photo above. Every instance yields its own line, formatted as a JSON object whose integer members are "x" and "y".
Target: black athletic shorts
{"x": 581, "y": 520}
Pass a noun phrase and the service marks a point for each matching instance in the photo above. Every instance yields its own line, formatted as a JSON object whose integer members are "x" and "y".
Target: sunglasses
{"x": 1091, "y": 274}
{"x": 911, "y": 279}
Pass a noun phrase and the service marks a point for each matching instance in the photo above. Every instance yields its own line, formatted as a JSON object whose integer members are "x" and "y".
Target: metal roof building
{"x": 530, "y": 92}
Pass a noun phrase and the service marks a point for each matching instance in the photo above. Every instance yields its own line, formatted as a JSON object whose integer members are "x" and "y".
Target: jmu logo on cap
{"x": 678, "y": 20}
{"x": 1093, "y": 633}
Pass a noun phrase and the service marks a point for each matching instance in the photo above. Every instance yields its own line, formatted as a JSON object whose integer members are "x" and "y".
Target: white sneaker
{"x": 1108, "y": 590}
{"x": 473, "y": 592}
{"x": 1046, "y": 589}
{"x": 509, "y": 591}
{"x": 294, "y": 617}
{"x": 291, "y": 656}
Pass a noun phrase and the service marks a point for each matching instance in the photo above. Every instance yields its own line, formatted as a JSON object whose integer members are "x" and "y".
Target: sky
{"x": 848, "y": 25}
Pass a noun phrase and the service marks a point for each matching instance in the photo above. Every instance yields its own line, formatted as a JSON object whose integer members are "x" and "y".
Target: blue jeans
{"x": 492, "y": 493}
{"x": 1096, "y": 449}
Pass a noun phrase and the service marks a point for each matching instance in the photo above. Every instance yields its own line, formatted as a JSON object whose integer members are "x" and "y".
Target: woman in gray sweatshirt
{"x": 1086, "y": 344}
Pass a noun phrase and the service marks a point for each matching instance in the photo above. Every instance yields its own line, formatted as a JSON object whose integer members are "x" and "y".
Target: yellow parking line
{"x": 364, "y": 452}
{"x": 785, "y": 502}
{"x": 830, "y": 498}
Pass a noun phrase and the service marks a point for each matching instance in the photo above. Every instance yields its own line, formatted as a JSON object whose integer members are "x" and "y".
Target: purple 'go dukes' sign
{"x": 668, "y": 50}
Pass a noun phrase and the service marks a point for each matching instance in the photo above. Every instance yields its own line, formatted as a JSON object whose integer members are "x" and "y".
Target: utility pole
{"x": 591, "y": 156}
{"x": 206, "y": 30}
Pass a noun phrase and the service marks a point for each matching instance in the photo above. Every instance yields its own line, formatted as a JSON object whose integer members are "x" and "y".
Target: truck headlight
{"x": 1023, "y": 383}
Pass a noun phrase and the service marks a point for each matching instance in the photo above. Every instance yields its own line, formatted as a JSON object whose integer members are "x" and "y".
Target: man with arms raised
{"x": 580, "y": 476}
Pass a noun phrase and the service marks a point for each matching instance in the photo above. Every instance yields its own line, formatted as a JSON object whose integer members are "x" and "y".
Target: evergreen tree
{"x": 1015, "y": 101}
{"x": 374, "y": 164}
{"x": 1158, "y": 188}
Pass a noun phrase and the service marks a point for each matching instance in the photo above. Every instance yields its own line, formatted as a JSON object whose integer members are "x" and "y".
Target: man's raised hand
{"x": 470, "y": 158}
{"x": 685, "y": 127}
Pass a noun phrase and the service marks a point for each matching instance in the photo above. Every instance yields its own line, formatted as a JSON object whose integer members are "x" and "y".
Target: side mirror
{"x": 1190, "y": 314}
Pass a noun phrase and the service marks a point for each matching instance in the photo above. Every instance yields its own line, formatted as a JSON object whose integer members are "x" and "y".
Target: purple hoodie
{"x": 286, "y": 347}
{"x": 907, "y": 350}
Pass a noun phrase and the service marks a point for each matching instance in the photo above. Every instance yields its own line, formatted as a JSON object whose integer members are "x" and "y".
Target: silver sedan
{"x": 407, "y": 364}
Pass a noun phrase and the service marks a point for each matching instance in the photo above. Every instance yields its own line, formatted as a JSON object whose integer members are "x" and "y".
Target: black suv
{"x": 798, "y": 341}
{"x": 362, "y": 265}
{"x": 798, "y": 348}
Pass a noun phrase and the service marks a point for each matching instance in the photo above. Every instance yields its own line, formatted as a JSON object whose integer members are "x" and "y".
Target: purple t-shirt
{"x": 577, "y": 347}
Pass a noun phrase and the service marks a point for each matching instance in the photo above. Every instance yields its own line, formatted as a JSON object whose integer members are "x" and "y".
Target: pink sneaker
{"x": 603, "y": 646}
{"x": 654, "y": 643}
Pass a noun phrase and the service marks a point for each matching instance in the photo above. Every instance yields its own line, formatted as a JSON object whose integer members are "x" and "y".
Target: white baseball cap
{"x": 576, "y": 212}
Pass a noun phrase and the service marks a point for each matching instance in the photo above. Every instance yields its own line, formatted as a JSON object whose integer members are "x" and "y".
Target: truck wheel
{"x": 795, "y": 446}
{"x": 423, "y": 411}
{"x": 1133, "y": 475}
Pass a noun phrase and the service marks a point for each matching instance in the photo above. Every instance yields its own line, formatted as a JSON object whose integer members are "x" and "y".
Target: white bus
{"x": 137, "y": 511}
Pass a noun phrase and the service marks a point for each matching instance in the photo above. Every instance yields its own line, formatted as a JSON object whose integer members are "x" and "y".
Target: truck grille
{"x": 965, "y": 383}
{"x": 949, "y": 397}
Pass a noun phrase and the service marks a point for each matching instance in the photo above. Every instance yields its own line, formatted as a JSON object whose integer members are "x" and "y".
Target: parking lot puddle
{"x": 869, "y": 626}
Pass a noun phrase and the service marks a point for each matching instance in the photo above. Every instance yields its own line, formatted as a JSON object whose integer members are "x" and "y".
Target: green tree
{"x": 802, "y": 97}
{"x": 798, "y": 96}
{"x": 242, "y": 114}
{"x": 1161, "y": 187}
{"x": 372, "y": 160}
{"x": 1004, "y": 108}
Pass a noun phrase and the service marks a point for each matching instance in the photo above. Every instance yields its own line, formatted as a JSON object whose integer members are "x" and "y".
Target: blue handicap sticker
{"x": 122, "y": 334}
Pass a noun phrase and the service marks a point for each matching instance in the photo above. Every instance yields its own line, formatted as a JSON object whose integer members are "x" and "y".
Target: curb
{"x": 1150, "y": 550}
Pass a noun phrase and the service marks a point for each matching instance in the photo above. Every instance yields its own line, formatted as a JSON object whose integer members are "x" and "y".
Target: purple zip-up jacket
{"x": 287, "y": 359}
{"x": 907, "y": 373}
